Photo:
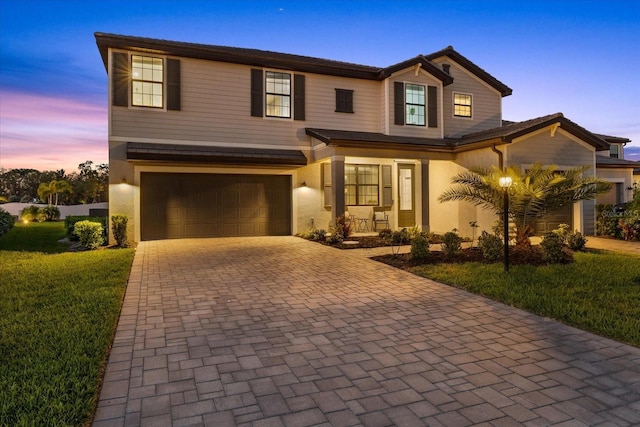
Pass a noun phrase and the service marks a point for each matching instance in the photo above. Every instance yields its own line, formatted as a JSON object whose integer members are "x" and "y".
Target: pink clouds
{"x": 47, "y": 133}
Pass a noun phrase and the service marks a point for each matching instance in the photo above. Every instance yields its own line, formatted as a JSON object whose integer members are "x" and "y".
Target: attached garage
{"x": 553, "y": 220}
{"x": 185, "y": 205}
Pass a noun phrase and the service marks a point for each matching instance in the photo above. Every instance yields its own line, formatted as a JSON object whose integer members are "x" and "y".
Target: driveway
{"x": 280, "y": 331}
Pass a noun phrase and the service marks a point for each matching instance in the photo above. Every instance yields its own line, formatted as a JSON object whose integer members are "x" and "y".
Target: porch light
{"x": 505, "y": 182}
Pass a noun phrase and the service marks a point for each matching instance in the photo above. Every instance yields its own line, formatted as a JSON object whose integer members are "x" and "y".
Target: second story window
{"x": 614, "y": 151}
{"x": 461, "y": 105}
{"x": 278, "y": 94}
{"x": 415, "y": 104}
{"x": 344, "y": 101}
{"x": 147, "y": 81}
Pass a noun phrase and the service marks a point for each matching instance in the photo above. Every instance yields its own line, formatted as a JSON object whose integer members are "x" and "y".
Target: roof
{"x": 450, "y": 52}
{"x": 500, "y": 135}
{"x": 610, "y": 162}
{"x": 208, "y": 154}
{"x": 613, "y": 139}
{"x": 263, "y": 58}
{"x": 509, "y": 132}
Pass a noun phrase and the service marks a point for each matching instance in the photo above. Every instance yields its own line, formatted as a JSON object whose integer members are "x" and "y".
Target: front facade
{"x": 208, "y": 141}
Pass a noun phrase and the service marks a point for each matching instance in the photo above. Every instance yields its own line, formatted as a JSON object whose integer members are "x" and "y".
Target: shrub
{"x": 384, "y": 234}
{"x": 492, "y": 246}
{"x": 629, "y": 228}
{"x": 49, "y": 213}
{"x": 420, "y": 247}
{"x": 343, "y": 226}
{"x": 317, "y": 235}
{"x": 451, "y": 243}
{"x": 606, "y": 221}
{"x": 30, "y": 213}
{"x": 70, "y": 221}
{"x": 396, "y": 239}
{"x": 89, "y": 233}
{"x": 336, "y": 237}
{"x": 119, "y": 229}
{"x": 576, "y": 241}
{"x": 6, "y": 221}
{"x": 414, "y": 231}
{"x": 552, "y": 244}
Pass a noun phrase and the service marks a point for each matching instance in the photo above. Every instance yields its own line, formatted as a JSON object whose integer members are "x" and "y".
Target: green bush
{"x": 89, "y": 233}
{"x": 30, "y": 213}
{"x": 70, "y": 222}
{"x": 420, "y": 246}
{"x": 607, "y": 221}
{"x": 49, "y": 213}
{"x": 343, "y": 226}
{"x": 319, "y": 235}
{"x": 552, "y": 244}
{"x": 451, "y": 243}
{"x": 119, "y": 229}
{"x": 384, "y": 234}
{"x": 492, "y": 246}
{"x": 576, "y": 241}
{"x": 6, "y": 221}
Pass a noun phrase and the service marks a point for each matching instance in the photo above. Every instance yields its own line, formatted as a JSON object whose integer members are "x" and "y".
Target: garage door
{"x": 182, "y": 205}
{"x": 551, "y": 221}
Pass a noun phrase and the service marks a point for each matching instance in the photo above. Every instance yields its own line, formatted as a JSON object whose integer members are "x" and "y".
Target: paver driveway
{"x": 279, "y": 331}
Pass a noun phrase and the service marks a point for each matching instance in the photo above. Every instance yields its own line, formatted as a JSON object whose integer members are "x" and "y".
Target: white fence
{"x": 65, "y": 211}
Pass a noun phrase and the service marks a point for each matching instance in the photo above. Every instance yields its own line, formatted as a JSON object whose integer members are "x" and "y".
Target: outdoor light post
{"x": 505, "y": 183}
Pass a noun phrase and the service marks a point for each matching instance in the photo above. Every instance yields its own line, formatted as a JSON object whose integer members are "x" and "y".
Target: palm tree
{"x": 533, "y": 194}
{"x": 44, "y": 192}
{"x": 47, "y": 190}
{"x": 60, "y": 187}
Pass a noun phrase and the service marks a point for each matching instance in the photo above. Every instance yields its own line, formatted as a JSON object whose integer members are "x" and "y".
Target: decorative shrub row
{"x": 6, "y": 221}
{"x": 36, "y": 214}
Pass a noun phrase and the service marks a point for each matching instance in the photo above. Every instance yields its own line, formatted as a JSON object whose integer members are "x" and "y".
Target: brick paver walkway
{"x": 280, "y": 331}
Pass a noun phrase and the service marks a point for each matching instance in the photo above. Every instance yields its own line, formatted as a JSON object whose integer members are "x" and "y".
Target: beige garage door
{"x": 553, "y": 220}
{"x": 183, "y": 205}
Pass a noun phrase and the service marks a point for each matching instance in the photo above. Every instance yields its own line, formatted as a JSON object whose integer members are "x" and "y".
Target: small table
{"x": 362, "y": 224}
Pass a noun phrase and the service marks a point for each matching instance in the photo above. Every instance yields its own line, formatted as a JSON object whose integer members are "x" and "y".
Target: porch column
{"x": 337, "y": 186}
{"x": 424, "y": 184}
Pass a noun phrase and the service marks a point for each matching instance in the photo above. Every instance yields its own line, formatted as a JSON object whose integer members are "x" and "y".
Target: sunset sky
{"x": 581, "y": 58}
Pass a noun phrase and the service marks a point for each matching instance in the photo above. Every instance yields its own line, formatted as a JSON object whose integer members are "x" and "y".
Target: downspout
{"x": 500, "y": 156}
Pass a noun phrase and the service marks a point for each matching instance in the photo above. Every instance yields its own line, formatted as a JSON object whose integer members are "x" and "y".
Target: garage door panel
{"x": 176, "y": 205}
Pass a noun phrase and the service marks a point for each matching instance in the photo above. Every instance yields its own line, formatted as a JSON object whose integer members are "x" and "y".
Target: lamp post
{"x": 505, "y": 183}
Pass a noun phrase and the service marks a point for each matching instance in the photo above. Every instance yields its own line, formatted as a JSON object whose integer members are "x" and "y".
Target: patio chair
{"x": 380, "y": 218}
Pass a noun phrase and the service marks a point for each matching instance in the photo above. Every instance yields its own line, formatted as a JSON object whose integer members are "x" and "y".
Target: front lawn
{"x": 599, "y": 292}
{"x": 59, "y": 312}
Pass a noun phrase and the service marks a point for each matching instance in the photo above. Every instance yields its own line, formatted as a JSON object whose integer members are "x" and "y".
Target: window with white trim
{"x": 415, "y": 106}
{"x": 147, "y": 81}
{"x": 278, "y": 94}
{"x": 461, "y": 105}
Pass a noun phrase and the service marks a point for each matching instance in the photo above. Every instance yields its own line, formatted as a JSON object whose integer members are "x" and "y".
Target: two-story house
{"x": 218, "y": 141}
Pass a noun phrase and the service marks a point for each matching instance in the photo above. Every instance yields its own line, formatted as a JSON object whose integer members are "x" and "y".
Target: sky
{"x": 580, "y": 57}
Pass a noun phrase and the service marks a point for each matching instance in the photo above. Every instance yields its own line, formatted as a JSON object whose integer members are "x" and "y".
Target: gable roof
{"x": 500, "y": 135}
{"x": 450, "y": 52}
{"x": 513, "y": 130}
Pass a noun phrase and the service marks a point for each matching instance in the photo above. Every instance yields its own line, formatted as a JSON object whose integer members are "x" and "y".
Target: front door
{"x": 406, "y": 196}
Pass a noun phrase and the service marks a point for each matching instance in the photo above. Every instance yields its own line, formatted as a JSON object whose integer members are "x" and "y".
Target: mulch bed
{"x": 516, "y": 257}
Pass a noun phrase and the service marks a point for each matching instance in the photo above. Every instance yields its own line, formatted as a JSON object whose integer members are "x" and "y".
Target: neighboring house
{"x": 219, "y": 141}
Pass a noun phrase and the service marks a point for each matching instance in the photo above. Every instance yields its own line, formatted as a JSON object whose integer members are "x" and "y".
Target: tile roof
{"x": 606, "y": 161}
{"x": 209, "y": 154}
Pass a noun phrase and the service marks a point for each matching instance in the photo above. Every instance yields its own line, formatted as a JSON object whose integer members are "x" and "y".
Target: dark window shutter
{"x": 326, "y": 183}
{"x": 257, "y": 97}
{"x": 386, "y": 186}
{"x": 398, "y": 102}
{"x": 298, "y": 97}
{"x": 432, "y": 106}
{"x": 173, "y": 84}
{"x": 120, "y": 79}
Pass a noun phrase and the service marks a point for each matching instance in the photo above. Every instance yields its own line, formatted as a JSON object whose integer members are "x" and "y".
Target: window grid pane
{"x": 415, "y": 105}
{"x": 278, "y": 91}
{"x": 461, "y": 105}
{"x": 361, "y": 185}
{"x": 147, "y": 83}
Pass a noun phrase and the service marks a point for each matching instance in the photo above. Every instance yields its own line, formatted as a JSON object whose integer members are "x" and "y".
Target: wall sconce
{"x": 303, "y": 184}
{"x": 124, "y": 180}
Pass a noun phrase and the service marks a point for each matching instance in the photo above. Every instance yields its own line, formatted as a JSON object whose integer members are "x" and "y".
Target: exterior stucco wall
{"x": 621, "y": 177}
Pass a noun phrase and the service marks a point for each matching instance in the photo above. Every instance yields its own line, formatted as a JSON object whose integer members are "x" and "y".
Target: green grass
{"x": 59, "y": 312}
{"x": 35, "y": 236}
{"x": 600, "y": 292}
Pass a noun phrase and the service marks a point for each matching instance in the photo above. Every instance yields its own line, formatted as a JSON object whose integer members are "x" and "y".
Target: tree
{"x": 534, "y": 193}
{"x": 47, "y": 190}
